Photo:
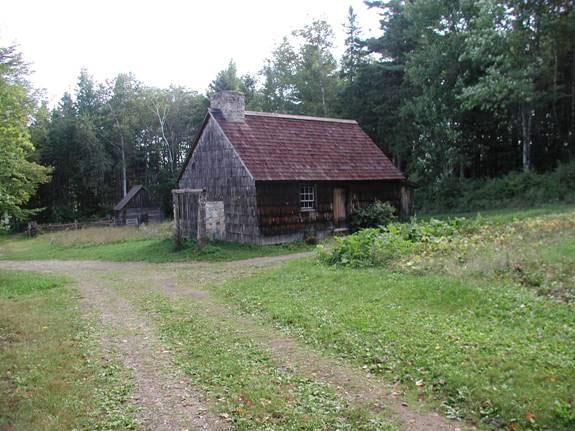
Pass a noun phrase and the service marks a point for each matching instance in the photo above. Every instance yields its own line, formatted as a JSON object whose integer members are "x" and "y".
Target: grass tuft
{"x": 15, "y": 283}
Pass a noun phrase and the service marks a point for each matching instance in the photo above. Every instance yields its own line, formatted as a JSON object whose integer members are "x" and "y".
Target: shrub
{"x": 515, "y": 189}
{"x": 380, "y": 246}
{"x": 374, "y": 215}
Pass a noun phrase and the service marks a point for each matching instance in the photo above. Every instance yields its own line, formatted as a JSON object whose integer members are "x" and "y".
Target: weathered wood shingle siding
{"x": 143, "y": 207}
{"x": 280, "y": 213}
{"x": 216, "y": 167}
{"x": 281, "y": 218}
{"x": 142, "y": 200}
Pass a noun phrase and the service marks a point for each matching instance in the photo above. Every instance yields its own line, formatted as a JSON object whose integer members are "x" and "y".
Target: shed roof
{"x": 295, "y": 147}
{"x": 129, "y": 196}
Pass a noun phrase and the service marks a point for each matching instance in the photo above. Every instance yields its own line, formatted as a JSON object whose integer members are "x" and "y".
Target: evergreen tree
{"x": 354, "y": 54}
{"x": 226, "y": 79}
{"x": 279, "y": 88}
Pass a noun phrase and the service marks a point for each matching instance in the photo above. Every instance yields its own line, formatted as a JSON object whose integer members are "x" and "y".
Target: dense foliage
{"x": 374, "y": 215}
{"x": 450, "y": 90}
{"x": 108, "y": 137}
{"x": 380, "y": 246}
{"x": 19, "y": 176}
{"x": 516, "y": 189}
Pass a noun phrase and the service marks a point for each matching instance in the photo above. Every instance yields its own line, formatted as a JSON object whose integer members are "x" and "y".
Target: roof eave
{"x": 194, "y": 145}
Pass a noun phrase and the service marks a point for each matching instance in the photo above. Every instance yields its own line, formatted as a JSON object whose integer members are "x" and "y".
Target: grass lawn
{"x": 483, "y": 336}
{"x": 154, "y": 243}
{"x": 506, "y": 215}
{"x": 51, "y": 377}
{"x": 149, "y": 244}
{"x": 249, "y": 388}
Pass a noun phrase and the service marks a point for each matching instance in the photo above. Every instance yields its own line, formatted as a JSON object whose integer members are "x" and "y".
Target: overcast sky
{"x": 162, "y": 42}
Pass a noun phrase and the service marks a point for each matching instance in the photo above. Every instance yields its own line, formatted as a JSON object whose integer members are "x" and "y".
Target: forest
{"x": 455, "y": 92}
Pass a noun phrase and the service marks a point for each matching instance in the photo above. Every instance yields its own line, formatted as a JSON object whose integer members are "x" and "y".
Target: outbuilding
{"x": 138, "y": 207}
{"x": 273, "y": 178}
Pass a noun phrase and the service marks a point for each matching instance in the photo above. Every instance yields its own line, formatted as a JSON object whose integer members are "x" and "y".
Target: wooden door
{"x": 339, "y": 208}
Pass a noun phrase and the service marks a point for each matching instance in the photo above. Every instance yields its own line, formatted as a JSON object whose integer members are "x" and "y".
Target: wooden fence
{"x": 189, "y": 215}
{"x": 35, "y": 228}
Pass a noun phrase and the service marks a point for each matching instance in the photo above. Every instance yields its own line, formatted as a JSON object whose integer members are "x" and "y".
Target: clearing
{"x": 482, "y": 338}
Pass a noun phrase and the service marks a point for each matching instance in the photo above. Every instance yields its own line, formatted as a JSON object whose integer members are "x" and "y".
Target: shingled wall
{"x": 216, "y": 167}
{"x": 281, "y": 219}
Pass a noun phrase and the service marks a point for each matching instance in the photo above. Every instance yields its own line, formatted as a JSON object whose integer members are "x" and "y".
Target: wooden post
{"x": 184, "y": 201}
{"x": 406, "y": 204}
{"x": 201, "y": 225}
{"x": 177, "y": 230}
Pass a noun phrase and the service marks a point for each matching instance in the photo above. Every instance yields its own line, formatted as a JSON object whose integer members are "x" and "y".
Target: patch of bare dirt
{"x": 163, "y": 399}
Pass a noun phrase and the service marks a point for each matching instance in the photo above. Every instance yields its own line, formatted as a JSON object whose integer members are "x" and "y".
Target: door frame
{"x": 343, "y": 224}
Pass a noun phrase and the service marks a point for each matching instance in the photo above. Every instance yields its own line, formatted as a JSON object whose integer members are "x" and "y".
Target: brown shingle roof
{"x": 291, "y": 147}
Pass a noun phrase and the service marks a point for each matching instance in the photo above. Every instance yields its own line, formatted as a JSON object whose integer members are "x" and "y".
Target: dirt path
{"x": 162, "y": 399}
{"x": 166, "y": 402}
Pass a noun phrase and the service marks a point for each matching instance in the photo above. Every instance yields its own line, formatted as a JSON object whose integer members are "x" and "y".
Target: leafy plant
{"x": 565, "y": 412}
{"x": 374, "y": 215}
{"x": 379, "y": 246}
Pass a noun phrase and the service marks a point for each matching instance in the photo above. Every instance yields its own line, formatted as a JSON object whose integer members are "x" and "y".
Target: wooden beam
{"x": 178, "y": 191}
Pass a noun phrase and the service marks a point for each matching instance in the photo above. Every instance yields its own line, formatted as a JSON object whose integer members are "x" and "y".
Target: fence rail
{"x": 34, "y": 228}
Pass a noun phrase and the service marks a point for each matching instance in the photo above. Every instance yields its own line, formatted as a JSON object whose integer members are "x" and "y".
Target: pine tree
{"x": 354, "y": 53}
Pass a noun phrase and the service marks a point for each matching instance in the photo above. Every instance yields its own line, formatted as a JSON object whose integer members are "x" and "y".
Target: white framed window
{"x": 307, "y": 197}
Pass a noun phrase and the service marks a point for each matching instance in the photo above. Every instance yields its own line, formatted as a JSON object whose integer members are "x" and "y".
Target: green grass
{"x": 479, "y": 345}
{"x": 15, "y": 283}
{"x": 506, "y": 215}
{"x": 51, "y": 375}
{"x": 250, "y": 389}
{"x": 156, "y": 249}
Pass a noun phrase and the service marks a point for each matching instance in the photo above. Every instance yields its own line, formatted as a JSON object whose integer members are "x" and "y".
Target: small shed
{"x": 138, "y": 207}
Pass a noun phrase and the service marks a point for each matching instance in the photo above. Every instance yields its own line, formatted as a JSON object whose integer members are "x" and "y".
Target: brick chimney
{"x": 231, "y": 104}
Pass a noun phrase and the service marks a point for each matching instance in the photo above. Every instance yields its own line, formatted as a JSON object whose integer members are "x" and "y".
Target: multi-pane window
{"x": 307, "y": 197}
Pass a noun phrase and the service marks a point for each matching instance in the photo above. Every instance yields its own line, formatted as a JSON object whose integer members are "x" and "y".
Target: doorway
{"x": 339, "y": 209}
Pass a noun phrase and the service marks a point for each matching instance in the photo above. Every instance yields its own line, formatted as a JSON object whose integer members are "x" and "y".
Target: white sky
{"x": 162, "y": 42}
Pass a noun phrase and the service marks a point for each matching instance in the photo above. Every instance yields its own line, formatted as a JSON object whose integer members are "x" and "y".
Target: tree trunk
{"x": 526, "y": 137}
{"x": 321, "y": 83}
{"x": 124, "y": 176}
{"x": 572, "y": 128}
{"x": 169, "y": 149}
{"x": 122, "y": 151}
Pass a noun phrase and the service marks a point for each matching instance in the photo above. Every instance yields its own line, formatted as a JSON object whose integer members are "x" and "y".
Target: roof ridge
{"x": 300, "y": 117}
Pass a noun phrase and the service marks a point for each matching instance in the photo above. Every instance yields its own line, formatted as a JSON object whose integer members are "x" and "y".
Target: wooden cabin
{"x": 273, "y": 178}
{"x": 138, "y": 207}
